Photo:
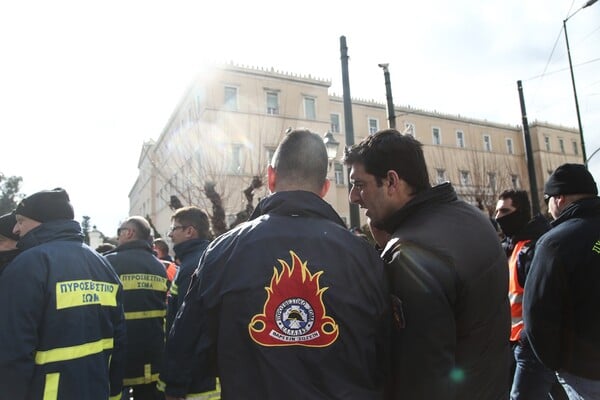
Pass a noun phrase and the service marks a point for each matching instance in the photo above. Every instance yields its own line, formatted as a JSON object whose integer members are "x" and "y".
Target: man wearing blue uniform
{"x": 62, "y": 333}
{"x": 289, "y": 305}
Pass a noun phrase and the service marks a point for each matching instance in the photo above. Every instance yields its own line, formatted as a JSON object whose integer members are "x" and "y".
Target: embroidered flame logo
{"x": 294, "y": 313}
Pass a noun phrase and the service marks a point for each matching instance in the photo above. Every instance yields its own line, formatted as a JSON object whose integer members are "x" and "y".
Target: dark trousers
{"x": 142, "y": 392}
{"x": 532, "y": 380}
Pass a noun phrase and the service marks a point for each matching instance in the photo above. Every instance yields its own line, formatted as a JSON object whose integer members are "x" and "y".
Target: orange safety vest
{"x": 515, "y": 293}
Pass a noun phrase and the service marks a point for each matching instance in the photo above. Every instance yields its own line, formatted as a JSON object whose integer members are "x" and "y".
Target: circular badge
{"x": 295, "y": 316}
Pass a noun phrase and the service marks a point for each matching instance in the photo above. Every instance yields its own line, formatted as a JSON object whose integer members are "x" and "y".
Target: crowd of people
{"x": 292, "y": 304}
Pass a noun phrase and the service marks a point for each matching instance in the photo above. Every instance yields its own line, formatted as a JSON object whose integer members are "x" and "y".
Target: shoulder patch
{"x": 294, "y": 313}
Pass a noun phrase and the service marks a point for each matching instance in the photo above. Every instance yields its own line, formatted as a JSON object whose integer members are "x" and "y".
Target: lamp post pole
{"x": 589, "y": 3}
{"x": 388, "y": 96}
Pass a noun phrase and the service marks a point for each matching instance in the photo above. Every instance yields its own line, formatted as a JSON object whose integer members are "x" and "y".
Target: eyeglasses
{"x": 546, "y": 198}
{"x": 175, "y": 227}
{"x": 123, "y": 228}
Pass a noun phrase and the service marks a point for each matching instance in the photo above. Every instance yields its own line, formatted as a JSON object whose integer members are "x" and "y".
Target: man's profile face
{"x": 368, "y": 195}
{"x": 504, "y": 207}
{"x": 24, "y": 225}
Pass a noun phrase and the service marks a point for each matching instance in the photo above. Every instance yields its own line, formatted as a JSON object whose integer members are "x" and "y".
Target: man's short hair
{"x": 142, "y": 227}
{"x": 520, "y": 200}
{"x": 388, "y": 150}
{"x": 300, "y": 161}
{"x": 193, "y": 216}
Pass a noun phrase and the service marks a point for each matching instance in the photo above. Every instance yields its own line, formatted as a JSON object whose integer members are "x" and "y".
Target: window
{"x": 547, "y": 142}
{"x": 465, "y": 178}
{"x": 339, "y": 173}
{"x": 561, "y": 145}
{"x": 492, "y": 180}
{"x": 440, "y": 175}
{"x": 310, "y": 111}
{"x": 236, "y": 160}
{"x": 460, "y": 139}
{"x": 335, "y": 123}
{"x": 373, "y": 125}
{"x": 509, "y": 146}
{"x": 487, "y": 143}
{"x": 514, "y": 179}
{"x": 230, "y": 102}
{"x": 272, "y": 103}
{"x": 575, "y": 148}
{"x": 409, "y": 129}
{"x": 436, "y": 136}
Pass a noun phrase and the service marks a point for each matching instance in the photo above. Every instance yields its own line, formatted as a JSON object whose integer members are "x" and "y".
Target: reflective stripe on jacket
{"x": 515, "y": 293}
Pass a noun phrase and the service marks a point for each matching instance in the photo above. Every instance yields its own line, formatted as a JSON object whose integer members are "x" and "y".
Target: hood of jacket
{"x": 189, "y": 247}
{"x": 579, "y": 209}
{"x": 296, "y": 203}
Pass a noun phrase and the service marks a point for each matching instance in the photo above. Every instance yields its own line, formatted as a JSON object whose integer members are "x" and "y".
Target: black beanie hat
{"x": 570, "y": 179}
{"x": 47, "y": 205}
{"x": 7, "y": 223}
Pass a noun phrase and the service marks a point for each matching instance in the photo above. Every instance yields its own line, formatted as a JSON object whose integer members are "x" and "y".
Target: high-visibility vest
{"x": 515, "y": 293}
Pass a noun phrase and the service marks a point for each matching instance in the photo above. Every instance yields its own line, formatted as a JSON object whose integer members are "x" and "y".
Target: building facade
{"x": 228, "y": 124}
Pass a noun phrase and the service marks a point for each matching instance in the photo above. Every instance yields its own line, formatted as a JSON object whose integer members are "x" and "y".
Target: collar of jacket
{"x": 62, "y": 229}
{"x": 443, "y": 193}
{"x": 579, "y": 209}
{"x": 134, "y": 244}
{"x": 296, "y": 203}
{"x": 535, "y": 228}
{"x": 189, "y": 246}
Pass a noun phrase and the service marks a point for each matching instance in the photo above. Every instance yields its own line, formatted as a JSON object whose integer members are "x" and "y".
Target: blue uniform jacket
{"x": 62, "y": 330}
{"x": 288, "y": 305}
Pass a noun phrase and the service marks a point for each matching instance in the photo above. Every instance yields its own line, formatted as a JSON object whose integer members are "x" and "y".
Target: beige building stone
{"x": 229, "y": 122}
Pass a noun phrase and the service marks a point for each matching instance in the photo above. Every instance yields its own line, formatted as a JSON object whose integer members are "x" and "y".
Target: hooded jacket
{"x": 62, "y": 333}
{"x": 449, "y": 282}
{"x": 145, "y": 286}
{"x": 562, "y": 292}
{"x": 288, "y": 305}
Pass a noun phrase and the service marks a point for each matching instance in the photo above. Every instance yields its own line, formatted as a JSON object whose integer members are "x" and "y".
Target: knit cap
{"x": 47, "y": 205}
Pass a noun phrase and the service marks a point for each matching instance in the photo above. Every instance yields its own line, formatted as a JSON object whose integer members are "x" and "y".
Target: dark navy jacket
{"x": 449, "y": 277}
{"x": 62, "y": 328}
{"x": 562, "y": 293}
{"x": 188, "y": 253}
{"x": 289, "y": 305}
{"x": 145, "y": 292}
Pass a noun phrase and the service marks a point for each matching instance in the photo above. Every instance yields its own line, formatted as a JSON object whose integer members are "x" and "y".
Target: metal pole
{"x": 575, "y": 92}
{"x": 535, "y": 202}
{"x": 388, "y": 96}
{"x": 354, "y": 215}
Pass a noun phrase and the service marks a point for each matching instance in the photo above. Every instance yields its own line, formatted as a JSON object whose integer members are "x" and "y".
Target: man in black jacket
{"x": 145, "y": 286}
{"x": 562, "y": 291}
{"x": 289, "y": 305}
{"x": 447, "y": 272}
{"x": 530, "y": 378}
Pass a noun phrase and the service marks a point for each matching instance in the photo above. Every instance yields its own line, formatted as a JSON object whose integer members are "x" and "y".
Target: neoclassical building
{"x": 227, "y": 125}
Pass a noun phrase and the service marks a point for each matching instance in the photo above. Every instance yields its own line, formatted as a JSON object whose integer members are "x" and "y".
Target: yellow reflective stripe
{"x": 143, "y": 281}
{"x": 148, "y": 377}
{"x": 116, "y": 397}
{"x": 160, "y": 385}
{"x": 51, "y": 386}
{"x": 73, "y": 352}
{"x": 85, "y": 293}
{"x": 174, "y": 289}
{"x": 210, "y": 395}
{"x": 145, "y": 314}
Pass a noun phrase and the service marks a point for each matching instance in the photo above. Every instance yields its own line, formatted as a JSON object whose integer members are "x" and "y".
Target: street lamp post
{"x": 589, "y": 3}
{"x": 331, "y": 145}
{"x": 388, "y": 96}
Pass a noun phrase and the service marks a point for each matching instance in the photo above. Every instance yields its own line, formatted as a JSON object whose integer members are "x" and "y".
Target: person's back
{"x": 145, "y": 285}
{"x": 290, "y": 304}
{"x": 62, "y": 330}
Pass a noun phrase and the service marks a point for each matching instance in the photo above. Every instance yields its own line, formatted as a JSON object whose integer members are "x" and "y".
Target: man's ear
{"x": 271, "y": 178}
{"x": 394, "y": 181}
{"x": 325, "y": 188}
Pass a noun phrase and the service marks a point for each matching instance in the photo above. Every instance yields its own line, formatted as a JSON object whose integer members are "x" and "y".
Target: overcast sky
{"x": 83, "y": 84}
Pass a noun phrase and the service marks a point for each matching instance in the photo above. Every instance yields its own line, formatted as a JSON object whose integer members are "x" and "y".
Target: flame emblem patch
{"x": 294, "y": 313}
